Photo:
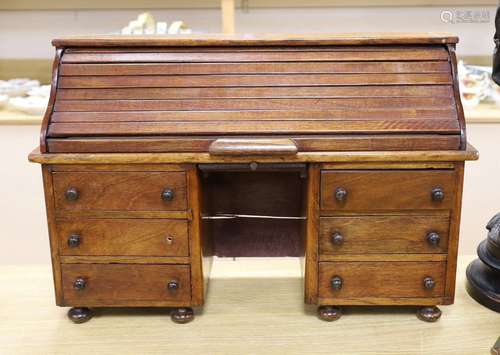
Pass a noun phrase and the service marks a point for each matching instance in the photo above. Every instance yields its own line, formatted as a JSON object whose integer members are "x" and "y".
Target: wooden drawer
{"x": 115, "y": 237}
{"x": 383, "y": 234}
{"x": 125, "y": 284}
{"x": 129, "y": 191}
{"x": 387, "y": 189}
{"x": 381, "y": 279}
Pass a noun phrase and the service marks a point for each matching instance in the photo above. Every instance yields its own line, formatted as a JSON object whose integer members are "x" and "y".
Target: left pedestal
{"x": 125, "y": 236}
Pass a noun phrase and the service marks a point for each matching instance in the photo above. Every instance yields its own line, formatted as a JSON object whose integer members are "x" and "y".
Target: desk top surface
{"x": 369, "y": 38}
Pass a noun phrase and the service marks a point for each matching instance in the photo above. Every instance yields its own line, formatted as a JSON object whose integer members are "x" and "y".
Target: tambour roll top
{"x": 180, "y": 94}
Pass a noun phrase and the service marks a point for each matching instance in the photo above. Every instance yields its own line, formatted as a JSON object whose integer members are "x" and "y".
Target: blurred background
{"x": 28, "y": 26}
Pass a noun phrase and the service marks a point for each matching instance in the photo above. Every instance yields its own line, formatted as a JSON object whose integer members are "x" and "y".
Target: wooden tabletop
{"x": 470, "y": 153}
{"x": 368, "y": 38}
{"x": 254, "y": 306}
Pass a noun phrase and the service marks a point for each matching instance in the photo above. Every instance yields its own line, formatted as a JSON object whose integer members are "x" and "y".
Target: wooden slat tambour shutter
{"x": 386, "y": 96}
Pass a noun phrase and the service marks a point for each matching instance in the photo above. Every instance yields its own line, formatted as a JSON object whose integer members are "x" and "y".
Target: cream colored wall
{"x": 23, "y": 232}
{"x": 23, "y": 229}
{"x": 481, "y": 199}
{"x": 27, "y": 34}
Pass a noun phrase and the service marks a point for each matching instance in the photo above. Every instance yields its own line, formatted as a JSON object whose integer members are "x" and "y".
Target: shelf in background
{"x": 192, "y": 4}
{"x": 39, "y": 69}
{"x": 484, "y": 113}
{"x": 8, "y": 117}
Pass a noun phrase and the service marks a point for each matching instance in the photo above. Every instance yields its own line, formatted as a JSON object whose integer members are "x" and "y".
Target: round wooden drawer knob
{"x": 71, "y": 194}
{"x": 437, "y": 194}
{"x": 173, "y": 285}
{"x": 336, "y": 283}
{"x": 169, "y": 240}
{"x": 337, "y": 238}
{"x": 79, "y": 284}
{"x": 167, "y": 194}
{"x": 429, "y": 283}
{"x": 433, "y": 238}
{"x": 340, "y": 194}
{"x": 74, "y": 240}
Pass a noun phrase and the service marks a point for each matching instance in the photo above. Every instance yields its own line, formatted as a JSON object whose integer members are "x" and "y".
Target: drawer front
{"x": 129, "y": 191}
{"x": 110, "y": 284}
{"x": 381, "y": 279}
{"x": 384, "y": 234}
{"x": 387, "y": 190}
{"x": 120, "y": 237}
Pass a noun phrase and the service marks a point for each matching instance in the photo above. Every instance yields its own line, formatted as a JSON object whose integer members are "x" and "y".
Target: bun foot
{"x": 329, "y": 313}
{"x": 429, "y": 314}
{"x": 182, "y": 315}
{"x": 79, "y": 314}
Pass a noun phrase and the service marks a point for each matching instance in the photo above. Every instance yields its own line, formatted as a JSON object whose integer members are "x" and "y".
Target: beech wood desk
{"x": 160, "y": 152}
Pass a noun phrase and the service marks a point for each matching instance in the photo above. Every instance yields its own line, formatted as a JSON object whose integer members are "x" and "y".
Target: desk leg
{"x": 329, "y": 313}
{"x": 80, "y": 314}
{"x": 429, "y": 314}
{"x": 182, "y": 315}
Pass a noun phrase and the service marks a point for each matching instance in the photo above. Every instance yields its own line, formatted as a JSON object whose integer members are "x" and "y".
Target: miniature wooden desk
{"x": 158, "y": 153}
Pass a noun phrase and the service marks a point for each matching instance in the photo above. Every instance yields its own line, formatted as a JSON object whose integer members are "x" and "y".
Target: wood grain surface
{"x": 124, "y": 81}
{"x": 122, "y": 237}
{"x": 275, "y": 54}
{"x": 377, "y": 87}
{"x": 359, "y": 38}
{"x": 116, "y": 285}
{"x": 387, "y": 190}
{"x": 381, "y": 279}
{"x": 235, "y": 68}
{"x": 129, "y": 191}
{"x": 343, "y": 156}
{"x": 381, "y": 234}
{"x": 253, "y": 147}
{"x": 271, "y": 320}
{"x": 275, "y": 193}
{"x": 303, "y": 143}
{"x": 440, "y": 126}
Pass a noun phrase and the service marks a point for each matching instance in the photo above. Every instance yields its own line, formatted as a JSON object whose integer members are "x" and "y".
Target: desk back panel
{"x": 271, "y": 197}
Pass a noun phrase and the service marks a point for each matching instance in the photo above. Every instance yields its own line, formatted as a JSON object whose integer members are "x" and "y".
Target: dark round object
{"x": 329, "y": 313}
{"x": 79, "y": 314}
{"x": 488, "y": 254}
{"x": 71, "y": 194}
{"x": 336, "y": 282}
{"x": 433, "y": 238}
{"x": 79, "y": 284}
{"x": 340, "y": 194}
{"x": 173, "y": 285}
{"x": 483, "y": 284}
{"x": 429, "y": 283}
{"x": 74, "y": 240}
{"x": 337, "y": 238}
{"x": 483, "y": 274}
{"x": 429, "y": 314}
{"x": 167, "y": 194}
{"x": 182, "y": 315}
{"x": 437, "y": 194}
